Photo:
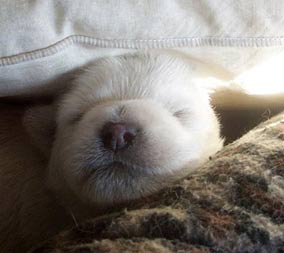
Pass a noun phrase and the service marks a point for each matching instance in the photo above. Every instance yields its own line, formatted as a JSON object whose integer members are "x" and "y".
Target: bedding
{"x": 43, "y": 42}
{"x": 234, "y": 203}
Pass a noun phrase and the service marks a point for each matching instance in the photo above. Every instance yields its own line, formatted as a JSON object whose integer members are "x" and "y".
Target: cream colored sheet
{"x": 228, "y": 42}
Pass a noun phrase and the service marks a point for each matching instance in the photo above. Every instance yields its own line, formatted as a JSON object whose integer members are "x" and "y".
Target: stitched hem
{"x": 143, "y": 44}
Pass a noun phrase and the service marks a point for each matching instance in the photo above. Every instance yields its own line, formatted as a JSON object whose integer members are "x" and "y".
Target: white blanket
{"x": 230, "y": 42}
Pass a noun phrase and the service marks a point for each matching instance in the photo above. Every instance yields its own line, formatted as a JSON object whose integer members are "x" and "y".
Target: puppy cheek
{"x": 162, "y": 149}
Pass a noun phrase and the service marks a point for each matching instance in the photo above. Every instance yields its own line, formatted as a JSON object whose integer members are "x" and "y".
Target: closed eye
{"x": 181, "y": 113}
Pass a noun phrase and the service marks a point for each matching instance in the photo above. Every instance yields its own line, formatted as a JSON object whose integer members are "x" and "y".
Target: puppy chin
{"x": 117, "y": 183}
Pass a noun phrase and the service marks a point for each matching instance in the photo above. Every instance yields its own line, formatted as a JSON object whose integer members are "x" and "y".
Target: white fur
{"x": 152, "y": 91}
{"x": 178, "y": 131}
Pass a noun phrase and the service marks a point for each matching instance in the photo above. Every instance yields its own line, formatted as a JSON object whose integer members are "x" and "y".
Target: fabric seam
{"x": 162, "y": 43}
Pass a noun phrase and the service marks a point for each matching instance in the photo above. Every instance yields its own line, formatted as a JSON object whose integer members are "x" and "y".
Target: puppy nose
{"x": 117, "y": 136}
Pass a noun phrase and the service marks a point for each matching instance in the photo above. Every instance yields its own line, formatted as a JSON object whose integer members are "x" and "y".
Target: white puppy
{"x": 127, "y": 127}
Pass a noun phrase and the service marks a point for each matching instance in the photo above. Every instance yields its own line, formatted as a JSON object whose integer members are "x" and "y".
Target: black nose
{"x": 116, "y": 136}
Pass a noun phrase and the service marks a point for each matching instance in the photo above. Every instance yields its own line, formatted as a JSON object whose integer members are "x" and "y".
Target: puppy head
{"x": 129, "y": 126}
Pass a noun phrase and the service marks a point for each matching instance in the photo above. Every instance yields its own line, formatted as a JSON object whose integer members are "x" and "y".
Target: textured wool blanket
{"x": 234, "y": 203}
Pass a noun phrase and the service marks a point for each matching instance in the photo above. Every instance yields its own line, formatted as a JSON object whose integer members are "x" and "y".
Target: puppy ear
{"x": 40, "y": 124}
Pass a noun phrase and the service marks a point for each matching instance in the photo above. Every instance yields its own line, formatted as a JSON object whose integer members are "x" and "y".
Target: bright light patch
{"x": 264, "y": 79}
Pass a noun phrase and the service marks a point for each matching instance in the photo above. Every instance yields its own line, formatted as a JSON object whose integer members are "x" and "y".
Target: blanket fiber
{"x": 234, "y": 203}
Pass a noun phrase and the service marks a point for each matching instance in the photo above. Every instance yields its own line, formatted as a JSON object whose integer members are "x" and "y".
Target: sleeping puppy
{"x": 127, "y": 127}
